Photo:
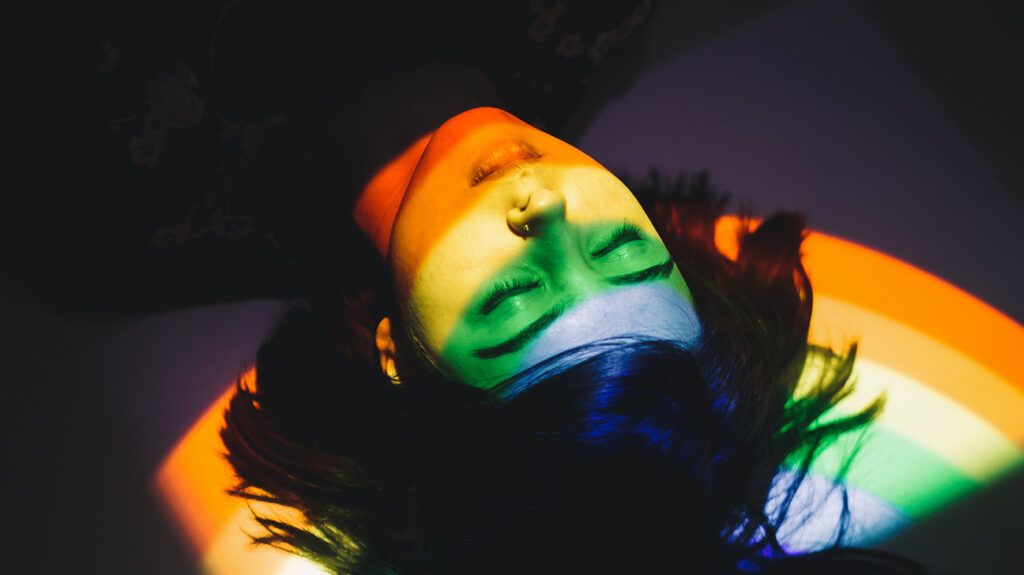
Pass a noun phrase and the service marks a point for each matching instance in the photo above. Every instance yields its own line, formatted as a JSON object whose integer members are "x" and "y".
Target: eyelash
{"x": 507, "y": 289}
{"x": 625, "y": 233}
{"x": 622, "y": 234}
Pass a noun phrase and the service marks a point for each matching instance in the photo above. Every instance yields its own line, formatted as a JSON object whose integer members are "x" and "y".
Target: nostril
{"x": 521, "y": 200}
{"x": 518, "y": 220}
{"x": 533, "y": 210}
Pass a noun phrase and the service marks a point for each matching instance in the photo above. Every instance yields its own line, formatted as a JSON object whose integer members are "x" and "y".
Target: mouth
{"x": 501, "y": 156}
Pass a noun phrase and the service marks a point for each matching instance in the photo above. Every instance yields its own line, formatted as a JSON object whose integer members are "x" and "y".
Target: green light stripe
{"x": 910, "y": 478}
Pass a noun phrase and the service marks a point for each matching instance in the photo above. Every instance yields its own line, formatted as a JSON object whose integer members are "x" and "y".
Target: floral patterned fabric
{"x": 177, "y": 116}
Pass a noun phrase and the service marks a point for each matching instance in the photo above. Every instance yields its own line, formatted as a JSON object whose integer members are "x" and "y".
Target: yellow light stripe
{"x": 921, "y": 357}
{"x": 934, "y": 346}
{"x": 299, "y": 566}
{"x": 933, "y": 421}
{"x": 231, "y": 550}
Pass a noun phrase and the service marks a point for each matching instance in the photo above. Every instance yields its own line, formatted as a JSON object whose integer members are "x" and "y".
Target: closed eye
{"x": 623, "y": 234}
{"x": 655, "y": 272}
{"x": 505, "y": 290}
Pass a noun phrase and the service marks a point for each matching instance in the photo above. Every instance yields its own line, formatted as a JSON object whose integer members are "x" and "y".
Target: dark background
{"x": 895, "y": 124}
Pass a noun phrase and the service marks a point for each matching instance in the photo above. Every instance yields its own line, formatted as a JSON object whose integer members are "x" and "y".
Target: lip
{"x": 499, "y": 156}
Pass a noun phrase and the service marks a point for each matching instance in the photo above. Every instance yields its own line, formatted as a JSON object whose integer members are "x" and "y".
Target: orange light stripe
{"x": 895, "y": 289}
{"x": 194, "y": 476}
{"x": 900, "y": 315}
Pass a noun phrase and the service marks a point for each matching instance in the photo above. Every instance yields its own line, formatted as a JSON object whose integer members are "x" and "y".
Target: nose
{"x": 535, "y": 209}
{"x": 539, "y": 213}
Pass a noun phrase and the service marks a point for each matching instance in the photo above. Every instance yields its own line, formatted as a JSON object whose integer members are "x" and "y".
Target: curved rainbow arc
{"x": 954, "y": 419}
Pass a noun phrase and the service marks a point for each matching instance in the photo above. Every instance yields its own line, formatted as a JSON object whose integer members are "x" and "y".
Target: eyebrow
{"x": 519, "y": 340}
{"x": 516, "y": 342}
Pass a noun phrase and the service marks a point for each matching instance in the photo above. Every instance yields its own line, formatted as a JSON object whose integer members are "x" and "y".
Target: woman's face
{"x": 511, "y": 245}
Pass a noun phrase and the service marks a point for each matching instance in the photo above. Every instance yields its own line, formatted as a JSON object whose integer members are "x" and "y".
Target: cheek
{"x": 453, "y": 272}
{"x": 594, "y": 195}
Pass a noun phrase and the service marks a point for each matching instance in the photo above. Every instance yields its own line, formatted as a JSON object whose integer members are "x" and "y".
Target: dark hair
{"x": 642, "y": 457}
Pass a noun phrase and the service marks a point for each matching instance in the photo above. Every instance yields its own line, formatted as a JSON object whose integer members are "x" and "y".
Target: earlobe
{"x": 386, "y": 350}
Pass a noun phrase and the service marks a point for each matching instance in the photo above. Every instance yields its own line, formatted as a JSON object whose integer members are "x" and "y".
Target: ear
{"x": 386, "y": 350}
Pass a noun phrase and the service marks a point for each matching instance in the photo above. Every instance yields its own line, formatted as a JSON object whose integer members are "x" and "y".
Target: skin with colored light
{"x": 496, "y": 231}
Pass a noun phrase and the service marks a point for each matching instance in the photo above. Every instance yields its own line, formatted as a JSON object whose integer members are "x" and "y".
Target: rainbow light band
{"x": 952, "y": 423}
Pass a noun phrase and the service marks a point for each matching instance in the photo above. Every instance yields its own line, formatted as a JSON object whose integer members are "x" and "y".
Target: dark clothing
{"x": 165, "y": 138}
